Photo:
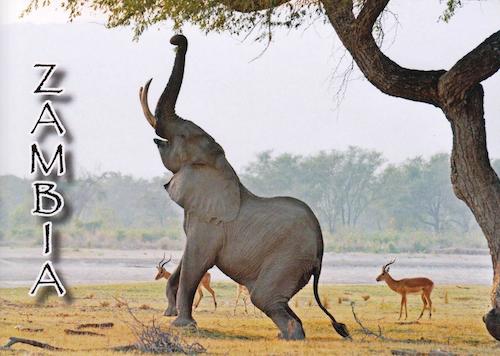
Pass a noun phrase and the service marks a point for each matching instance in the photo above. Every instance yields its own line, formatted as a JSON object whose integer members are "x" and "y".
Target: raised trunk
{"x": 165, "y": 108}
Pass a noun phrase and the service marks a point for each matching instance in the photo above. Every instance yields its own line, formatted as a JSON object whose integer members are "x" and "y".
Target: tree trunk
{"x": 474, "y": 180}
{"x": 459, "y": 94}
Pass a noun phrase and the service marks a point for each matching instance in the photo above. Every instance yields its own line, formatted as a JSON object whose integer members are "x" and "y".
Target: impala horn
{"x": 385, "y": 268}
{"x": 163, "y": 259}
{"x": 167, "y": 261}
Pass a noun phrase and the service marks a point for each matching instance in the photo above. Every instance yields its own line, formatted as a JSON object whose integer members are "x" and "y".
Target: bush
{"x": 398, "y": 241}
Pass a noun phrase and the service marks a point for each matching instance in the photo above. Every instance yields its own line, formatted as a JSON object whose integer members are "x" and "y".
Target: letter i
{"x": 47, "y": 238}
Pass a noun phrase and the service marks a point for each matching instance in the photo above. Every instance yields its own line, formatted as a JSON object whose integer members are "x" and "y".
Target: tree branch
{"x": 380, "y": 70}
{"x": 246, "y": 6}
{"x": 477, "y": 65}
{"x": 369, "y": 13}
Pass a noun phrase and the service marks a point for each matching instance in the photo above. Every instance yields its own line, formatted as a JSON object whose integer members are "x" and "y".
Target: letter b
{"x": 47, "y": 190}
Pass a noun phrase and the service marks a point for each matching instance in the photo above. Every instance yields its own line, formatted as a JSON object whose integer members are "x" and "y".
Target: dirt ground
{"x": 456, "y": 325}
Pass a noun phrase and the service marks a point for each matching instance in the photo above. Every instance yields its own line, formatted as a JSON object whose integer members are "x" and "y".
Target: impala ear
{"x": 209, "y": 192}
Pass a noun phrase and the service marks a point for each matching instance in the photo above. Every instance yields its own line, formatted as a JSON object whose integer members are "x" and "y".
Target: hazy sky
{"x": 283, "y": 101}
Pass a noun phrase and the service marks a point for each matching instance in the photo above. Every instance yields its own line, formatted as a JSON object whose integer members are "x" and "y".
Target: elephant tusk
{"x": 143, "y": 96}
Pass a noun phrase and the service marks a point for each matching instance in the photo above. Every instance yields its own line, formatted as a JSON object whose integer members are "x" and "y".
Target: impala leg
{"x": 424, "y": 300}
{"x": 401, "y": 307}
{"x": 200, "y": 296}
{"x": 429, "y": 304}
{"x": 245, "y": 301}
{"x": 238, "y": 292}
{"x": 406, "y": 308}
{"x": 211, "y": 291}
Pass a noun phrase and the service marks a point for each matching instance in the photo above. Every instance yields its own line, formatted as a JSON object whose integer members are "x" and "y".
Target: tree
{"x": 337, "y": 185}
{"x": 358, "y": 177}
{"x": 270, "y": 176}
{"x": 321, "y": 187}
{"x": 419, "y": 194}
{"x": 457, "y": 91}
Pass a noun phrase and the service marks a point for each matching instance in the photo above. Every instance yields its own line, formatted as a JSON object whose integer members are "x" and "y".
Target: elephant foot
{"x": 492, "y": 322}
{"x": 170, "y": 312}
{"x": 294, "y": 331}
{"x": 182, "y": 322}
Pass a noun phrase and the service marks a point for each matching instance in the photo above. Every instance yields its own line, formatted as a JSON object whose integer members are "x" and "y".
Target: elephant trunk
{"x": 165, "y": 109}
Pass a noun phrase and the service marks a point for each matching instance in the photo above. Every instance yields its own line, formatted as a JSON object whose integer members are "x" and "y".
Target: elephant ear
{"x": 209, "y": 192}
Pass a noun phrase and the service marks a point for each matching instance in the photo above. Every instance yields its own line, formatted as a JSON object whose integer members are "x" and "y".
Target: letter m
{"x": 38, "y": 160}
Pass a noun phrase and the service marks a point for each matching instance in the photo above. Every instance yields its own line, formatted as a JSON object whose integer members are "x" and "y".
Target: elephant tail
{"x": 340, "y": 328}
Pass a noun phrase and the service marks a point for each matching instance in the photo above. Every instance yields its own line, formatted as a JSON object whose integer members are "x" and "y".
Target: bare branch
{"x": 477, "y": 65}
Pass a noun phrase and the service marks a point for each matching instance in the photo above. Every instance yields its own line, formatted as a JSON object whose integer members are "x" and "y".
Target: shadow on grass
{"x": 414, "y": 322}
{"x": 214, "y": 334}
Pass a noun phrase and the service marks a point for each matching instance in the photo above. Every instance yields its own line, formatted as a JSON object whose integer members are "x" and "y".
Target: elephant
{"x": 272, "y": 246}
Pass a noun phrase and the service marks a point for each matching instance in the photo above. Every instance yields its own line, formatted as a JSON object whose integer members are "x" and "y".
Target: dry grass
{"x": 456, "y": 326}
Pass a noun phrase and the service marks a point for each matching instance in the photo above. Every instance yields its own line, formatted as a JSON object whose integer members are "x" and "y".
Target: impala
{"x": 241, "y": 289}
{"x": 205, "y": 281}
{"x": 409, "y": 286}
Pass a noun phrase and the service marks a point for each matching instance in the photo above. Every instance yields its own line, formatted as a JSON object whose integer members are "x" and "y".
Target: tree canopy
{"x": 239, "y": 17}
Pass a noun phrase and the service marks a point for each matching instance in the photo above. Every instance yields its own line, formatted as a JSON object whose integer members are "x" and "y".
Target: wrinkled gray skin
{"x": 270, "y": 245}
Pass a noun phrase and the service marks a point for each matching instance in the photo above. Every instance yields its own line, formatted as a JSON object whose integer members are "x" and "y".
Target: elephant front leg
{"x": 199, "y": 256}
{"x": 171, "y": 292}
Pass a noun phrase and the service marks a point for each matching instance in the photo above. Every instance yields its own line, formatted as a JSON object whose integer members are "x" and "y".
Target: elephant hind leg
{"x": 290, "y": 327}
{"x": 271, "y": 294}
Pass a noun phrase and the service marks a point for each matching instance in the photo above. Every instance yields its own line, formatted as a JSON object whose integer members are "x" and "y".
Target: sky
{"x": 283, "y": 101}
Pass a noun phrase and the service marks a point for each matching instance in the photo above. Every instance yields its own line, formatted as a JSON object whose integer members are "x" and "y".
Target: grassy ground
{"x": 456, "y": 325}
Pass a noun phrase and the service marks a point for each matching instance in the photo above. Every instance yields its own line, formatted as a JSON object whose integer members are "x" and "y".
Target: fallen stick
{"x": 96, "y": 325}
{"x": 379, "y": 334}
{"x": 81, "y": 332}
{"x": 364, "y": 329}
{"x": 14, "y": 340}
{"x": 27, "y": 329}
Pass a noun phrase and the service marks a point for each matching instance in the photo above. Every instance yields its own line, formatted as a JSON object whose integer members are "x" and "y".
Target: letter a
{"x": 47, "y": 277}
{"x": 45, "y": 189}
{"x": 47, "y": 106}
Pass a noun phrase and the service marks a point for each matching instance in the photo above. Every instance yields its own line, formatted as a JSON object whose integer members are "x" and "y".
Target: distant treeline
{"x": 363, "y": 204}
